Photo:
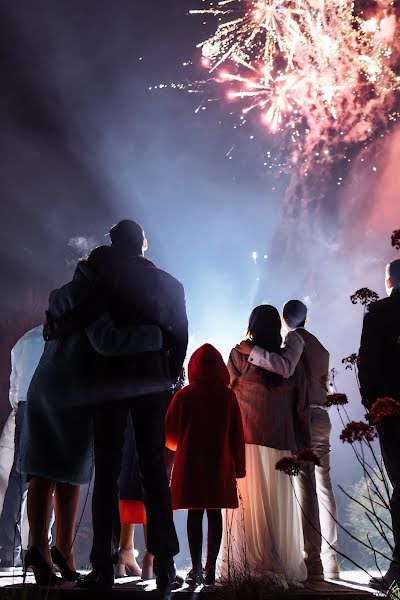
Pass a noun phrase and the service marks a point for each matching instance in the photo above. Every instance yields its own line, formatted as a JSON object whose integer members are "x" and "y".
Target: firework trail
{"x": 315, "y": 71}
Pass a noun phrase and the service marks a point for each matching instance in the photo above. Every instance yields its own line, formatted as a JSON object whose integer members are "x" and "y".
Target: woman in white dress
{"x": 263, "y": 538}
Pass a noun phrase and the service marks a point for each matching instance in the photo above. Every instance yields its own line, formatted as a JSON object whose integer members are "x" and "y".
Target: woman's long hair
{"x": 264, "y": 330}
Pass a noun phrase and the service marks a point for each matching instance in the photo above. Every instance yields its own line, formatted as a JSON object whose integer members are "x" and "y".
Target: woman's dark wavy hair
{"x": 264, "y": 330}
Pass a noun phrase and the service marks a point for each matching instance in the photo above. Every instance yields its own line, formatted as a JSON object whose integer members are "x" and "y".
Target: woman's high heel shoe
{"x": 67, "y": 573}
{"x": 127, "y": 565}
{"x": 42, "y": 571}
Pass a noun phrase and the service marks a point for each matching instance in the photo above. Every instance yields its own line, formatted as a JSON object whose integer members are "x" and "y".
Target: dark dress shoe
{"x": 194, "y": 578}
{"x": 166, "y": 578}
{"x": 97, "y": 579}
{"x": 209, "y": 576}
{"x": 384, "y": 583}
{"x": 179, "y": 580}
{"x": 66, "y": 573}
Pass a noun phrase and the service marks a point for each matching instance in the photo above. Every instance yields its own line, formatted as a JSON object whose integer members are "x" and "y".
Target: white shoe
{"x": 127, "y": 565}
{"x": 331, "y": 575}
{"x": 331, "y": 569}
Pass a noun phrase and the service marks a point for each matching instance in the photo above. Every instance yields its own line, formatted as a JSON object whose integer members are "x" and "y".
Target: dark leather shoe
{"x": 384, "y": 583}
{"x": 194, "y": 578}
{"x": 179, "y": 580}
{"x": 209, "y": 576}
{"x": 166, "y": 578}
{"x": 99, "y": 579}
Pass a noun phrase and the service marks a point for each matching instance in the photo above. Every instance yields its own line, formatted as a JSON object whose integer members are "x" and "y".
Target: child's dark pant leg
{"x": 214, "y": 537}
{"x": 195, "y": 537}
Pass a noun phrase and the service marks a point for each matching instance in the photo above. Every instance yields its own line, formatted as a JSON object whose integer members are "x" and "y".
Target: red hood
{"x": 207, "y": 365}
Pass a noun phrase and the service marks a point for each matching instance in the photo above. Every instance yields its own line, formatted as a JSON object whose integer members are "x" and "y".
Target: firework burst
{"x": 313, "y": 68}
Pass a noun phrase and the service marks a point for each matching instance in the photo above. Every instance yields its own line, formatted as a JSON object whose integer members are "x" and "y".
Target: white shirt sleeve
{"x": 283, "y": 364}
{"x": 14, "y": 378}
{"x": 25, "y": 357}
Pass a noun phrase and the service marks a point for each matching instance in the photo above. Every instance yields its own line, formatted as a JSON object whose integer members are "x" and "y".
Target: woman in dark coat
{"x": 204, "y": 426}
{"x": 56, "y": 441}
{"x": 264, "y": 537}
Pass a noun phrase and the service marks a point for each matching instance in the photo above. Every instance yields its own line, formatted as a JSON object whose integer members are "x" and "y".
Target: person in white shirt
{"x": 25, "y": 357}
{"x": 316, "y": 492}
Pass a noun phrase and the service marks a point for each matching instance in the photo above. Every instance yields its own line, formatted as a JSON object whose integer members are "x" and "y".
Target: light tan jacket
{"x": 299, "y": 343}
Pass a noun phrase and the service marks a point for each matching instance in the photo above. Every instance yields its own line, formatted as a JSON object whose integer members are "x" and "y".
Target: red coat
{"x": 205, "y": 428}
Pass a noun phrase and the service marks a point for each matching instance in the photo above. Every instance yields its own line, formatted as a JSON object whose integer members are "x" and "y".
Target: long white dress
{"x": 263, "y": 538}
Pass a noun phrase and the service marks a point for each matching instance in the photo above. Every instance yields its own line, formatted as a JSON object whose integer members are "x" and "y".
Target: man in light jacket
{"x": 319, "y": 512}
{"x": 25, "y": 357}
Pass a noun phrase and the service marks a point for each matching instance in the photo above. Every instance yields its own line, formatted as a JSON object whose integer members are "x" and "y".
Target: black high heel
{"x": 41, "y": 569}
{"x": 67, "y": 573}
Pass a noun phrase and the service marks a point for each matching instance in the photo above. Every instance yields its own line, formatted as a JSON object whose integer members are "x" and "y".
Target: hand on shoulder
{"x": 245, "y": 347}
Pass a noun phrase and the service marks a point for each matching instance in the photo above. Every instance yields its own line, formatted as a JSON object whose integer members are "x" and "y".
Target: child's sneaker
{"x": 209, "y": 576}
{"x": 194, "y": 577}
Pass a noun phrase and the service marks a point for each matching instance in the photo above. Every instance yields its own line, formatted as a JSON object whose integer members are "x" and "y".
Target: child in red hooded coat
{"x": 204, "y": 426}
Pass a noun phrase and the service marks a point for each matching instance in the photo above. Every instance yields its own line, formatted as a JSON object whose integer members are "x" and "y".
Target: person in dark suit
{"x": 379, "y": 373}
{"x": 135, "y": 292}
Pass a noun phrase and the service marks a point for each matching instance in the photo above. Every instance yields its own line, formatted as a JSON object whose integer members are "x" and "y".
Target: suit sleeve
{"x": 177, "y": 335}
{"x": 369, "y": 358}
{"x": 234, "y": 366}
{"x": 172, "y": 420}
{"x": 303, "y": 425}
{"x": 236, "y": 439}
{"x": 108, "y": 339}
{"x": 283, "y": 364}
{"x": 90, "y": 309}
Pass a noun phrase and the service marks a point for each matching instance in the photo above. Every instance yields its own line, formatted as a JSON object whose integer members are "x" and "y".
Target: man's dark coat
{"x": 379, "y": 355}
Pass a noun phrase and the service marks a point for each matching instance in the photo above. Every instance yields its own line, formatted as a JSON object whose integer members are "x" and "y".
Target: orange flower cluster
{"x": 289, "y": 465}
{"x": 336, "y": 400}
{"x": 358, "y": 431}
{"x": 308, "y": 455}
{"x": 383, "y": 407}
{"x": 396, "y": 239}
{"x": 350, "y": 361}
{"x": 364, "y": 296}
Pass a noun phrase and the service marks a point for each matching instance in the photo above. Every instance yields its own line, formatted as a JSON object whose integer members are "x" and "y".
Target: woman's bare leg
{"x": 39, "y": 501}
{"x": 126, "y": 541}
{"x": 66, "y": 500}
{"x": 148, "y": 558}
{"x": 127, "y": 562}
